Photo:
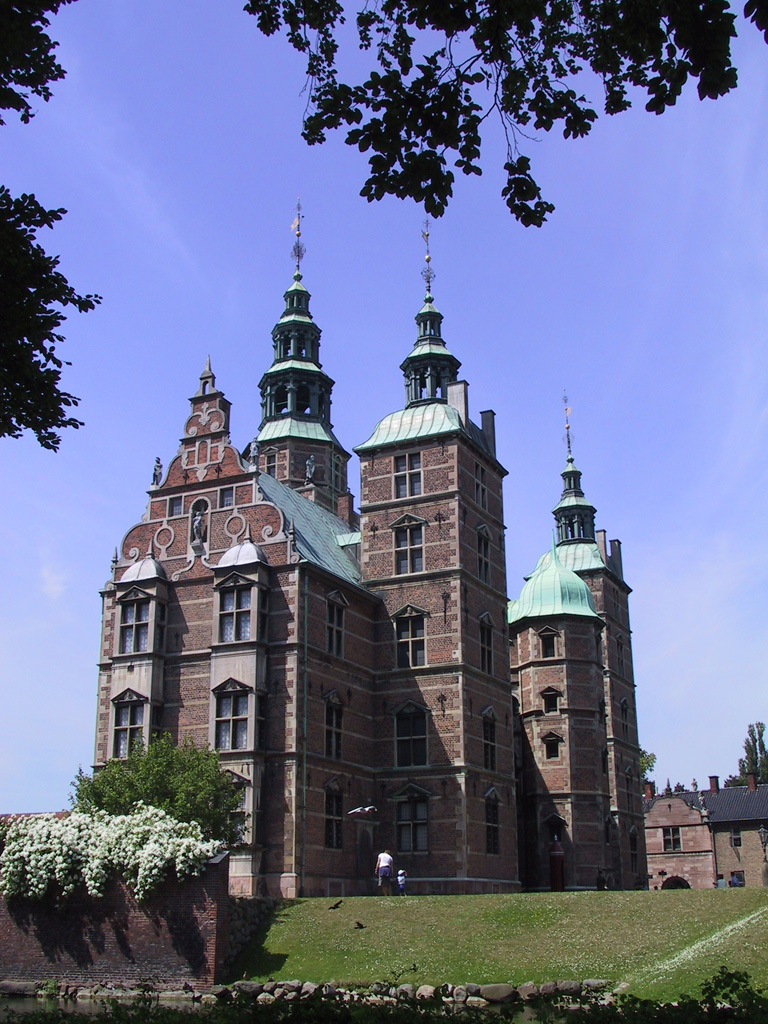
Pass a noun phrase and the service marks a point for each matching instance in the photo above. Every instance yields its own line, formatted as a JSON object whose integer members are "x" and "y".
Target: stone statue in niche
{"x": 253, "y": 455}
{"x": 198, "y": 531}
{"x": 157, "y": 473}
{"x": 309, "y": 472}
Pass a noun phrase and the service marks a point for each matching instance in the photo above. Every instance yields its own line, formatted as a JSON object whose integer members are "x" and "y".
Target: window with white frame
{"x": 270, "y": 463}
{"x": 671, "y": 839}
{"x": 134, "y": 626}
{"x": 409, "y": 549}
{"x": 735, "y": 837}
{"x": 481, "y": 491}
{"x": 492, "y": 823}
{"x": 483, "y": 555}
{"x": 175, "y": 506}
{"x": 334, "y": 627}
{"x": 548, "y": 641}
{"x": 486, "y": 645}
{"x": 129, "y": 724}
{"x": 234, "y": 613}
{"x": 489, "y": 740}
{"x": 333, "y": 819}
{"x": 226, "y": 497}
{"x": 409, "y": 633}
{"x": 333, "y": 729}
{"x": 412, "y": 824}
{"x": 232, "y": 720}
{"x": 407, "y": 481}
{"x": 411, "y": 736}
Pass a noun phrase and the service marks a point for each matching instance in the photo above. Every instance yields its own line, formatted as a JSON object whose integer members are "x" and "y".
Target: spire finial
{"x": 298, "y": 251}
{"x": 567, "y": 423}
{"x": 427, "y": 273}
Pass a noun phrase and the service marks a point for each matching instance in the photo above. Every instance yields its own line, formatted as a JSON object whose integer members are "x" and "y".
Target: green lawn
{"x": 660, "y": 943}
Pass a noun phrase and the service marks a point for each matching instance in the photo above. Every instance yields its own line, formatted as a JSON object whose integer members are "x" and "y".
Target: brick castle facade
{"x": 363, "y": 676}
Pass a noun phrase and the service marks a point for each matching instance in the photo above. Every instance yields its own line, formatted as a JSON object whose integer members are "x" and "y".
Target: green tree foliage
{"x": 755, "y": 758}
{"x": 647, "y": 765}
{"x": 33, "y": 293}
{"x": 187, "y": 782}
{"x": 440, "y": 68}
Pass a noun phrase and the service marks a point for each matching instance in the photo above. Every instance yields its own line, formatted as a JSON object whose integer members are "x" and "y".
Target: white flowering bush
{"x": 45, "y": 853}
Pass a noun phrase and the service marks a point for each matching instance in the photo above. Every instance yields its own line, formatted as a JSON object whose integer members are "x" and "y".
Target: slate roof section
{"x": 317, "y": 530}
{"x": 729, "y": 805}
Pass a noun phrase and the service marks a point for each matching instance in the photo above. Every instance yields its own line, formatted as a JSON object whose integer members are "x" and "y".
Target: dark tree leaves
{"x": 33, "y": 293}
{"x": 33, "y": 297}
{"x": 441, "y": 68}
{"x": 755, "y": 760}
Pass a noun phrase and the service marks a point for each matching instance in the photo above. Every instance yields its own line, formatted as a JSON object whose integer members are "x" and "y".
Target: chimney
{"x": 649, "y": 790}
{"x": 618, "y": 565}
{"x": 488, "y": 421}
{"x": 600, "y": 541}
{"x": 751, "y": 782}
{"x": 458, "y": 399}
{"x": 714, "y": 783}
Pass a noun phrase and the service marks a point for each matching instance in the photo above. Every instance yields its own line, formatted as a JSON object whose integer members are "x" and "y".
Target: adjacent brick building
{"x": 353, "y": 671}
{"x": 696, "y": 837}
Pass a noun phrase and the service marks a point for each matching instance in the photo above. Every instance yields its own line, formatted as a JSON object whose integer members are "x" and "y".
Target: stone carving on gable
{"x": 212, "y": 419}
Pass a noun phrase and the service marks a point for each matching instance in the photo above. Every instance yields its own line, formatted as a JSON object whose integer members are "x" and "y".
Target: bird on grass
{"x": 359, "y": 924}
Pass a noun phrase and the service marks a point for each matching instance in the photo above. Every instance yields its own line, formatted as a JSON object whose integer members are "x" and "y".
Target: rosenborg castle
{"x": 364, "y": 676}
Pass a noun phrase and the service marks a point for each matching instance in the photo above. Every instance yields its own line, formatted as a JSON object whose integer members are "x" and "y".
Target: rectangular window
{"x": 410, "y": 641}
{"x": 232, "y": 721}
{"x": 620, "y": 656}
{"x": 550, "y": 702}
{"x": 175, "y": 506}
{"x": 483, "y": 558}
{"x": 239, "y": 819}
{"x": 630, "y": 790}
{"x": 552, "y": 748}
{"x": 548, "y": 645}
{"x": 481, "y": 493}
{"x": 333, "y": 718}
{"x": 226, "y": 497}
{"x": 735, "y": 837}
{"x": 489, "y": 744}
{"x": 334, "y": 637}
{"x": 160, "y": 612}
{"x": 672, "y": 839}
{"x": 624, "y": 718}
{"x": 491, "y": 826}
{"x": 270, "y": 464}
{"x": 411, "y": 737}
{"x": 264, "y": 616}
{"x": 261, "y": 722}
{"x": 235, "y": 614}
{"x": 134, "y": 627}
{"x": 333, "y": 820}
{"x": 412, "y": 826}
{"x": 486, "y": 648}
{"x": 407, "y": 475}
{"x": 633, "y": 851}
{"x": 129, "y": 726}
{"x": 409, "y": 552}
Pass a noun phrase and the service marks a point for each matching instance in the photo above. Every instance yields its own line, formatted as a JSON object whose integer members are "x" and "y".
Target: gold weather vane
{"x": 298, "y": 251}
{"x": 567, "y": 422}
{"x": 427, "y": 273}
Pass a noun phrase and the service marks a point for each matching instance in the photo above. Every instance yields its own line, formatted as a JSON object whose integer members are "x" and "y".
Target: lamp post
{"x": 763, "y": 834}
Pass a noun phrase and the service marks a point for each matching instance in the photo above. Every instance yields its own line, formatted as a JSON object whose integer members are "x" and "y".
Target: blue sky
{"x": 174, "y": 143}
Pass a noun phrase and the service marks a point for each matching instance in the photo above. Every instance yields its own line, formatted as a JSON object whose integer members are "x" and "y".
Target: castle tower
{"x": 432, "y": 549}
{"x": 555, "y": 636}
{"x": 296, "y": 440}
{"x": 583, "y": 550}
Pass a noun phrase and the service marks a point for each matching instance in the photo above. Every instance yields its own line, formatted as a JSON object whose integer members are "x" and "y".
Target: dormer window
{"x": 548, "y": 640}
{"x": 551, "y": 700}
{"x": 552, "y": 746}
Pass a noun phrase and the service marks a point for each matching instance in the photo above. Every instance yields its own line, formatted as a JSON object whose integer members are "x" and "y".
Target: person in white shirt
{"x": 384, "y": 872}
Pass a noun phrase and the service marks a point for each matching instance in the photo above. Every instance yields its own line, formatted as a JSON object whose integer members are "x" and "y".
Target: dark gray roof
{"x": 317, "y": 530}
{"x": 728, "y": 805}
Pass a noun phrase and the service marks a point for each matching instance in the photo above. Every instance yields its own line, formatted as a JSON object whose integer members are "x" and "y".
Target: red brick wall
{"x": 178, "y": 935}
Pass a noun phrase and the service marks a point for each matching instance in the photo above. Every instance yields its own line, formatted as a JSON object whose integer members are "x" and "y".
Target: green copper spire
{"x": 430, "y": 367}
{"x": 295, "y": 386}
{"x": 574, "y": 515}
